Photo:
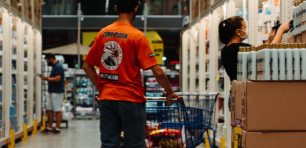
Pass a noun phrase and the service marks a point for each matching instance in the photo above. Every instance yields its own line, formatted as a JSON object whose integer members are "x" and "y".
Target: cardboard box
{"x": 273, "y": 140}
{"x": 236, "y": 105}
{"x": 271, "y": 106}
{"x": 244, "y": 139}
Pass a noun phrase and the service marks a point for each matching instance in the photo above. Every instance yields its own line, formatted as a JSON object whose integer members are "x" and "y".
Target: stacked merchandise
{"x": 270, "y": 110}
{"x": 69, "y": 79}
{"x": 272, "y": 62}
{"x": 45, "y": 72}
{"x": 13, "y": 105}
{"x": 84, "y": 96}
{"x": 69, "y": 84}
{"x": 299, "y": 19}
{"x": 268, "y": 114}
{"x": 153, "y": 89}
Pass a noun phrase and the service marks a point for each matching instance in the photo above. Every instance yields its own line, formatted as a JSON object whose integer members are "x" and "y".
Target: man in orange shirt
{"x": 120, "y": 51}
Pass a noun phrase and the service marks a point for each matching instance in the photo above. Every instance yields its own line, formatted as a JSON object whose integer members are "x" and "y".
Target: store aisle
{"x": 80, "y": 134}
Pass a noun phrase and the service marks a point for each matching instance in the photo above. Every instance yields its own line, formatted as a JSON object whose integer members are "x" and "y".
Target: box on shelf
{"x": 236, "y": 103}
{"x": 246, "y": 139}
{"x": 269, "y": 106}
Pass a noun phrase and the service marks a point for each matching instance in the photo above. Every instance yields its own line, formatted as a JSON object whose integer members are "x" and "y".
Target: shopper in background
{"x": 120, "y": 51}
{"x": 232, "y": 32}
{"x": 56, "y": 93}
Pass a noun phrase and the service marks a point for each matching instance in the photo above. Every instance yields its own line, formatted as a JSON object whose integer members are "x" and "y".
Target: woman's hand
{"x": 284, "y": 28}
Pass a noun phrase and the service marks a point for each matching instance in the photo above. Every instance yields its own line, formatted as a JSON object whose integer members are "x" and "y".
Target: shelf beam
{"x": 92, "y": 22}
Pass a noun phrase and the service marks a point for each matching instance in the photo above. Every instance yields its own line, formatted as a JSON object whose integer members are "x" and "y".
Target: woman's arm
{"x": 284, "y": 28}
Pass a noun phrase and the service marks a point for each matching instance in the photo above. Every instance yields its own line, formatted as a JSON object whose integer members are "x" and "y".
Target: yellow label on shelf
{"x": 237, "y": 136}
{"x": 12, "y": 139}
{"x": 35, "y": 123}
{"x": 207, "y": 145}
{"x": 44, "y": 122}
{"x": 222, "y": 142}
{"x": 25, "y": 132}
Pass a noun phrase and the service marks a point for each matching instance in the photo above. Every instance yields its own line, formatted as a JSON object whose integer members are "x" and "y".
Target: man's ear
{"x": 238, "y": 32}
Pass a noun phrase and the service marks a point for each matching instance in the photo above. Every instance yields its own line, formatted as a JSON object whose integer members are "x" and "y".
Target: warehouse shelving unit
{"x": 2, "y": 109}
{"x": 201, "y": 48}
{"x": 20, "y": 54}
{"x": 84, "y": 102}
{"x": 153, "y": 89}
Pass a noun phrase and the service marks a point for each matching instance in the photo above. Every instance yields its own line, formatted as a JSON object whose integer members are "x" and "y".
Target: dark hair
{"x": 228, "y": 27}
{"x": 126, "y": 6}
{"x": 49, "y": 56}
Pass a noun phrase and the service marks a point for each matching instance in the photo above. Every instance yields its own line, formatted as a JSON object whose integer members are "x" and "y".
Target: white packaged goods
{"x": 263, "y": 61}
{"x": 239, "y": 60}
{"x": 244, "y": 65}
{"x": 303, "y": 62}
{"x": 289, "y": 62}
{"x": 275, "y": 60}
{"x": 296, "y": 62}
{"x": 252, "y": 64}
{"x": 299, "y": 17}
{"x": 282, "y": 62}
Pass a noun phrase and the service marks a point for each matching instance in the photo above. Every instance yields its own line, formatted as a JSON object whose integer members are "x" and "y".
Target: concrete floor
{"x": 80, "y": 134}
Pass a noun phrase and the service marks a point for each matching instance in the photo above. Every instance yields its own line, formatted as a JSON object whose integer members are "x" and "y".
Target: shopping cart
{"x": 206, "y": 102}
{"x": 180, "y": 125}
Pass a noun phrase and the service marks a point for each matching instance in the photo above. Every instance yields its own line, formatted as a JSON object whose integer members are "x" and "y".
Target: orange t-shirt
{"x": 120, "y": 51}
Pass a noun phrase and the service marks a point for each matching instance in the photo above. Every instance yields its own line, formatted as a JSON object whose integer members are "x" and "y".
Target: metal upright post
{"x": 185, "y": 62}
{"x": 145, "y": 15}
{"x": 253, "y": 19}
{"x": 227, "y": 86}
{"x": 202, "y": 56}
{"x": 79, "y": 34}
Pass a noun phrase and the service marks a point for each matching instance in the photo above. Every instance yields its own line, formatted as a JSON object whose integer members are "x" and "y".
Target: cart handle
{"x": 179, "y": 100}
{"x": 162, "y": 99}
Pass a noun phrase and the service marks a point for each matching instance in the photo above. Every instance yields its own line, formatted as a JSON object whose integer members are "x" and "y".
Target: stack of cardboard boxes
{"x": 268, "y": 114}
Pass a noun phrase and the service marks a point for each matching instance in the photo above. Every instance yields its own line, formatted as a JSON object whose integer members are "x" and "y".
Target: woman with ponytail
{"x": 232, "y": 32}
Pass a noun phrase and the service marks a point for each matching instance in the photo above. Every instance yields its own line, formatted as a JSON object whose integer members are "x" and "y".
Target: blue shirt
{"x": 57, "y": 87}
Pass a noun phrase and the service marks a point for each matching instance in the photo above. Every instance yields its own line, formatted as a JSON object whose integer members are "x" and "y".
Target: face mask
{"x": 246, "y": 34}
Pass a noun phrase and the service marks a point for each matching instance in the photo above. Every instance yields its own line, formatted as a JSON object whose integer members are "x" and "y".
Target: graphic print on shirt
{"x": 112, "y": 55}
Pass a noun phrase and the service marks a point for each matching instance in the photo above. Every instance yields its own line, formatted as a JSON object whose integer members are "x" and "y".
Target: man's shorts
{"x": 54, "y": 102}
